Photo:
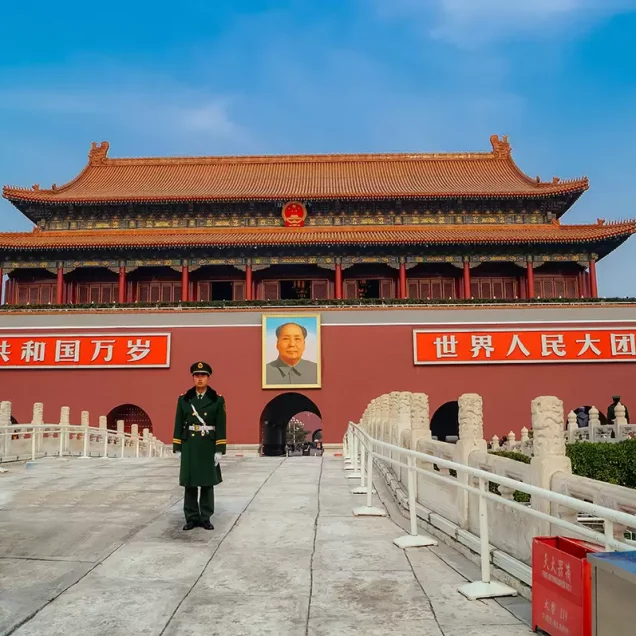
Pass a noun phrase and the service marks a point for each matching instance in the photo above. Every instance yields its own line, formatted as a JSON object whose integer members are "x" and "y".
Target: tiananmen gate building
{"x": 441, "y": 273}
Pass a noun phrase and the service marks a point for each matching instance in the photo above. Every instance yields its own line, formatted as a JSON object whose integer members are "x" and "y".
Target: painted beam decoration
{"x": 568, "y": 344}
{"x": 85, "y": 351}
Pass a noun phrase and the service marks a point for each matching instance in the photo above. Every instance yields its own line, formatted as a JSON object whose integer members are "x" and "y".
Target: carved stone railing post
{"x": 620, "y": 421}
{"x": 38, "y": 420}
{"x": 86, "y": 437}
{"x": 121, "y": 438}
{"x": 146, "y": 435}
{"x": 65, "y": 422}
{"x": 5, "y": 420}
{"x": 401, "y": 433}
{"x": 549, "y": 452}
{"x": 494, "y": 443}
{"x": 572, "y": 427}
{"x": 134, "y": 436}
{"x": 394, "y": 399}
{"x": 471, "y": 439}
{"x": 103, "y": 430}
{"x": 420, "y": 419}
{"x": 511, "y": 444}
{"x": 594, "y": 423}
{"x": 526, "y": 442}
{"x": 385, "y": 409}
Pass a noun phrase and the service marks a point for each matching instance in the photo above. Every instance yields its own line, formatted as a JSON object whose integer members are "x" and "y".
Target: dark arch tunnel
{"x": 275, "y": 418}
{"x": 445, "y": 421}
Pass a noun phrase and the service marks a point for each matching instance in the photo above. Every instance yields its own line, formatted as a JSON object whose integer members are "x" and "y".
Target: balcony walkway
{"x": 95, "y": 547}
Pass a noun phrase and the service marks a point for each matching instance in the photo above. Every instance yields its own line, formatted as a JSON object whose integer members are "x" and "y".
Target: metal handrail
{"x": 359, "y": 443}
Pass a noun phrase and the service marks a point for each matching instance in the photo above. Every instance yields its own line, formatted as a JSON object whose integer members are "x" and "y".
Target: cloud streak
{"x": 169, "y": 111}
{"x": 471, "y": 23}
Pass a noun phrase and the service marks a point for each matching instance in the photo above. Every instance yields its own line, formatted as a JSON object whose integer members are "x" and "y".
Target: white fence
{"x": 446, "y": 477}
{"x": 36, "y": 440}
{"x": 485, "y": 509}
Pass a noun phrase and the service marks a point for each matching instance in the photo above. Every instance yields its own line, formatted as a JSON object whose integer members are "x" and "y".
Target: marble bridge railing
{"x": 19, "y": 442}
{"x": 402, "y": 419}
{"x": 595, "y": 431}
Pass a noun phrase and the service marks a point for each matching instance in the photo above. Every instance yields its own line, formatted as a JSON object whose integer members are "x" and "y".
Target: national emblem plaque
{"x": 294, "y": 214}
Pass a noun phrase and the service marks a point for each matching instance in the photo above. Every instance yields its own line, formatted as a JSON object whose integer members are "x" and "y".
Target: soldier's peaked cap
{"x": 201, "y": 367}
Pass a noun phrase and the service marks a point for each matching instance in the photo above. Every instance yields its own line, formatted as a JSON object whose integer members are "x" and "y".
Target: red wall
{"x": 358, "y": 363}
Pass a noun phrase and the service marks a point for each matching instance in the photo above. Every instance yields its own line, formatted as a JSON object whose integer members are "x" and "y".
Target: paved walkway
{"x": 95, "y": 547}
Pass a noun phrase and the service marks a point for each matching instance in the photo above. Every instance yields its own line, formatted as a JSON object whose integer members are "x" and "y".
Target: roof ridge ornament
{"x": 97, "y": 155}
{"x": 500, "y": 147}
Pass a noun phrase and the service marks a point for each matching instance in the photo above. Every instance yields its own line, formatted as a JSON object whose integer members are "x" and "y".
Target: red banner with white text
{"x": 72, "y": 351}
{"x": 519, "y": 346}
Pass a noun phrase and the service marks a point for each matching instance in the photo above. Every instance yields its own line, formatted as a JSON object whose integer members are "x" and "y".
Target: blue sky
{"x": 291, "y": 76}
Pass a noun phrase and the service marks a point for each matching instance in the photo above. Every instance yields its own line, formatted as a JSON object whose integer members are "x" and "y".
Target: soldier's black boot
{"x": 207, "y": 525}
{"x": 190, "y": 525}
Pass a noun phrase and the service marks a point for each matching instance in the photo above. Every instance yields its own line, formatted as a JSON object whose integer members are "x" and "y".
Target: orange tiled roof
{"x": 486, "y": 174}
{"x": 282, "y": 236}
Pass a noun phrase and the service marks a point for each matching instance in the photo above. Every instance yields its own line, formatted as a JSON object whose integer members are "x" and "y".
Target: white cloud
{"x": 166, "y": 110}
{"x": 469, "y": 23}
{"x": 211, "y": 117}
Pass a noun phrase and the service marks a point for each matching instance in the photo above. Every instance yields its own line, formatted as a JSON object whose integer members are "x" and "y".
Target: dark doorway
{"x": 445, "y": 421}
{"x": 295, "y": 289}
{"x": 369, "y": 288}
{"x": 317, "y": 436}
{"x": 131, "y": 414}
{"x": 275, "y": 419}
{"x": 222, "y": 290}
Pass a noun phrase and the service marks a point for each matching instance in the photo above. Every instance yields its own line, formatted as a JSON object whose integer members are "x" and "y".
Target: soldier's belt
{"x": 196, "y": 427}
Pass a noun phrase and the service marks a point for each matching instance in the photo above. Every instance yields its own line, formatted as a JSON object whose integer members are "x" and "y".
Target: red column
{"x": 59, "y": 288}
{"x": 466, "y": 279}
{"x": 122, "y": 285}
{"x": 1, "y": 287}
{"x": 8, "y": 293}
{"x": 582, "y": 285}
{"x": 593, "y": 281}
{"x": 402, "y": 281}
{"x": 530, "y": 279}
{"x": 185, "y": 284}
{"x": 338, "y": 281}
{"x": 248, "y": 282}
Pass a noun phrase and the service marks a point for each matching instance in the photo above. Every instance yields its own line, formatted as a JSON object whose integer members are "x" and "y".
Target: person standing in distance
{"x": 200, "y": 440}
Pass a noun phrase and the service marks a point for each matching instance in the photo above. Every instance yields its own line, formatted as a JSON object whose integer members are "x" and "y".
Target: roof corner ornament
{"x": 97, "y": 154}
{"x": 556, "y": 180}
{"x": 500, "y": 147}
{"x": 600, "y": 221}
{"x": 36, "y": 187}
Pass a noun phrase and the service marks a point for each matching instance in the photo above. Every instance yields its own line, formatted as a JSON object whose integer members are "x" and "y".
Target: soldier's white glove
{"x": 217, "y": 459}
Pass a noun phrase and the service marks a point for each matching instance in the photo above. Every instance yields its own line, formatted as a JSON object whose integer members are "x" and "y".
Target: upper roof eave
{"x": 306, "y": 177}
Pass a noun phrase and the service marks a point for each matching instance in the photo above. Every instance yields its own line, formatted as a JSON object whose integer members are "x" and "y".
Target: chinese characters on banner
{"x": 524, "y": 346}
{"x": 85, "y": 351}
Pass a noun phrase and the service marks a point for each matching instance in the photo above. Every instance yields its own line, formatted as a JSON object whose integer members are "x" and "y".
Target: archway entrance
{"x": 131, "y": 414}
{"x": 284, "y": 418}
{"x": 445, "y": 421}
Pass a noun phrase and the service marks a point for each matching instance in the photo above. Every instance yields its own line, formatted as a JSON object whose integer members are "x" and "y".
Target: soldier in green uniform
{"x": 199, "y": 438}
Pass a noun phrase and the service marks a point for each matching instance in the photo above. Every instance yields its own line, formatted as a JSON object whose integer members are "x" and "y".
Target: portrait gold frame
{"x": 291, "y": 318}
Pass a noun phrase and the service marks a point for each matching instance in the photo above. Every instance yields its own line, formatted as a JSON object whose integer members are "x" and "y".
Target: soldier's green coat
{"x": 197, "y": 450}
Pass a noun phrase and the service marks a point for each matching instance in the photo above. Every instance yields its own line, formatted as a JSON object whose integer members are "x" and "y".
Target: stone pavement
{"x": 95, "y": 547}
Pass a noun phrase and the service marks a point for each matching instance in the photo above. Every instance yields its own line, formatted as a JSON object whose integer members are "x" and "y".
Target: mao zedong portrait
{"x": 289, "y": 367}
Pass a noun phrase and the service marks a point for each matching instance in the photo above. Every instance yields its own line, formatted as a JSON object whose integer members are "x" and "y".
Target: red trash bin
{"x": 562, "y": 586}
